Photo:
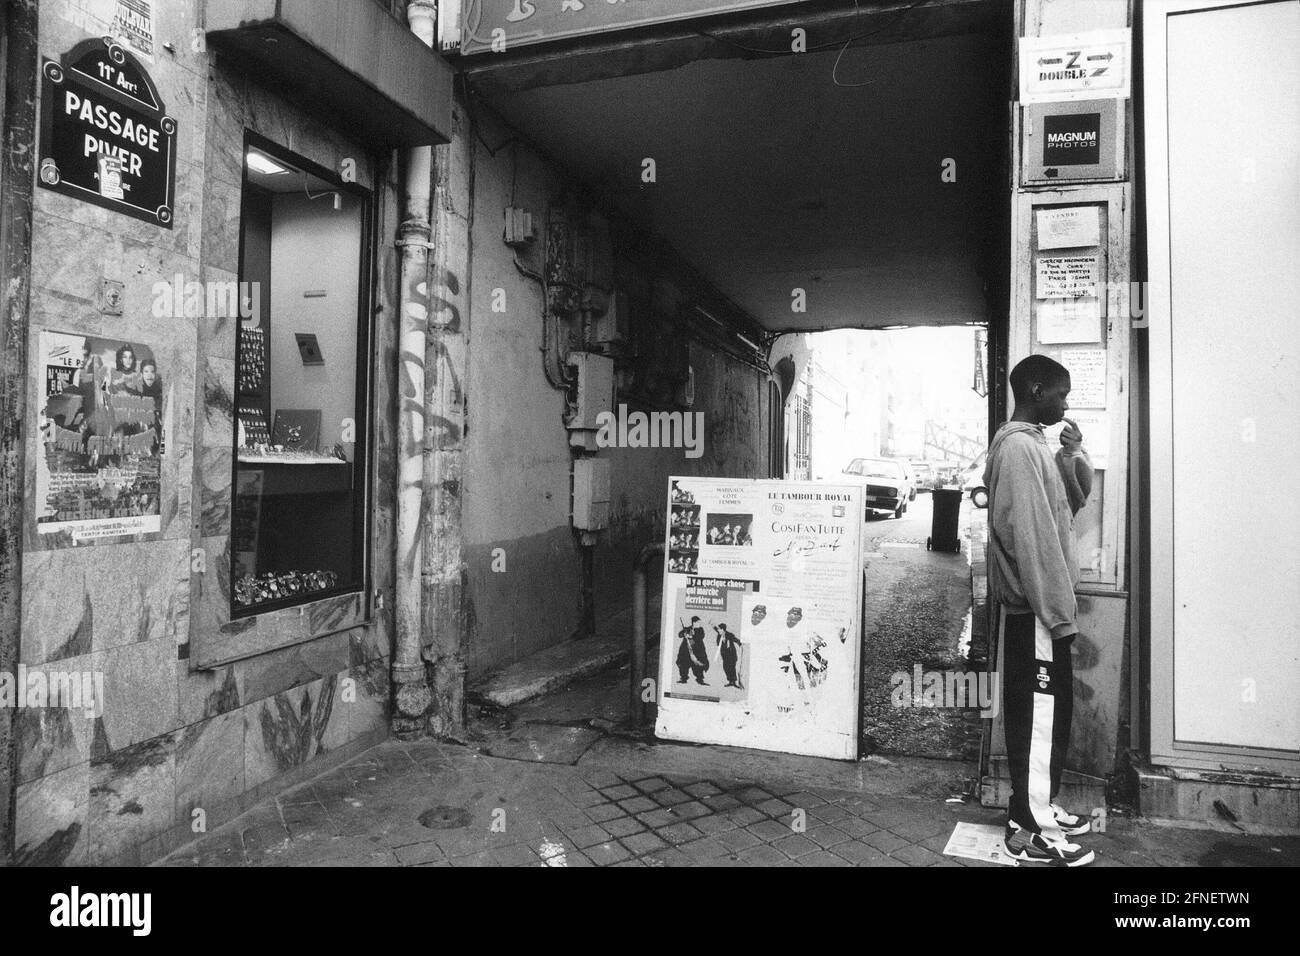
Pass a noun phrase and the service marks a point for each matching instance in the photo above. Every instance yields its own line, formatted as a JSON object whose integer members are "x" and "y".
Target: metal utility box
{"x": 1079, "y": 141}
{"x": 595, "y": 395}
{"x": 591, "y": 494}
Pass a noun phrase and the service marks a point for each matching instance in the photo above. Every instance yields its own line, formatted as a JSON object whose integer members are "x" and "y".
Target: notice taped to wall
{"x": 760, "y": 631}
{"x": 1068, "y": 227}
{"x": 101, "y": 421}
{"x": 1087, "y": 367}
{"x": 1068, "y": 320}
{"x": 1095, "y": 426}
{"x": 1066, "y": 277}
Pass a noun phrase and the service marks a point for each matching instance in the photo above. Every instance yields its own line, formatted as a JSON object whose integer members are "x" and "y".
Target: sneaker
{"x": 1071, "y": 824}
{"x": 1033, "y": 848}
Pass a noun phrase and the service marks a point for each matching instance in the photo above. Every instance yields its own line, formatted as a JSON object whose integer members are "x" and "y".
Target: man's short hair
{"x": 1035, "y": 368}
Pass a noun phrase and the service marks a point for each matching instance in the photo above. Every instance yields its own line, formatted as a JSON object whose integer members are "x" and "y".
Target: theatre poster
{"x": 759, "y": 641}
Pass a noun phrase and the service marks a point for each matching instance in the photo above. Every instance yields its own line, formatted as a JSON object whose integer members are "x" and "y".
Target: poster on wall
{"x": 133, "y": 25}
{"x": 761, "y": 601}
{"x": 101, "y": 419}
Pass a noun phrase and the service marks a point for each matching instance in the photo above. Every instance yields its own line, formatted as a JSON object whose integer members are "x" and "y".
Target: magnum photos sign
{"x": 106, "y": 137}
{"x": 500, "y": 25}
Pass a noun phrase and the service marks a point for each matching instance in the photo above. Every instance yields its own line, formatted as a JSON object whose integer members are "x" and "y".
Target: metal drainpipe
{"x": 636, "y": 666}
{"x": 16, "y": 198}
{"x": 412, "y": 695}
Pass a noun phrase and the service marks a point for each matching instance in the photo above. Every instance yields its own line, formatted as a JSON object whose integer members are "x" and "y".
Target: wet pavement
{"x": 561, "y": 780}
{"x": 916, "y": 611}
{"x": 431, "y": 804}
{"x": 549, "y": 784}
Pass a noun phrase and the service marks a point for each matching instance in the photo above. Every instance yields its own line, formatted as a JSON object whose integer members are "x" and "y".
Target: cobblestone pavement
{"x": 492, "y": 811}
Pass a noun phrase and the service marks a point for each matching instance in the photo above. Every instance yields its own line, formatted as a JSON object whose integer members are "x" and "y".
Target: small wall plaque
{"x": 309, "y": 348}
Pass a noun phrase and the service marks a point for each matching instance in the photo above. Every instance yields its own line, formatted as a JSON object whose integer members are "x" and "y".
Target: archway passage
{"x": 860, "y": 185}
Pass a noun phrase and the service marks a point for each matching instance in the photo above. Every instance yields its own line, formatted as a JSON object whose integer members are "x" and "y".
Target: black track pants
{"x": 1038, "y": 701}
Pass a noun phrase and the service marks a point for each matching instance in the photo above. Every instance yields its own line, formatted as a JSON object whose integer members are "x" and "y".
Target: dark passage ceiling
{"x": 771, "y": 177}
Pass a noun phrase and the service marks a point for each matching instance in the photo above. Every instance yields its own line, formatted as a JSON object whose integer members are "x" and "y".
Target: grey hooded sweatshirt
{"x": 1033, "y": 497}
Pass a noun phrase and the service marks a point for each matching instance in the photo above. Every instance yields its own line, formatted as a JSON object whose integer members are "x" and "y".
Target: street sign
{"x": 502, "y": 25}
{"x": 106, "y": 137}
{"x": 1079, "y": 141}
{"x": 1080, "y": 66}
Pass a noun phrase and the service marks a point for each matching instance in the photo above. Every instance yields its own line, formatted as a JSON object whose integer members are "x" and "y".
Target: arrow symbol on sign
{"x": 1052, "y": 62}
{"x": 1108, "y": 57}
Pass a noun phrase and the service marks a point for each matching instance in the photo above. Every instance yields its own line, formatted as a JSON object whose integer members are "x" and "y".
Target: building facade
{"x": 323, "y": 348}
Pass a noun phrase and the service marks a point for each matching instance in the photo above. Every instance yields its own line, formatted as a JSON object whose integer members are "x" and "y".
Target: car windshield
{"x": 877, "y": 468}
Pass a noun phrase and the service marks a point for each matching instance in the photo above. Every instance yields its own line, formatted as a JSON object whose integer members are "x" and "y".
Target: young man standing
{"x": 1033, "y": 569}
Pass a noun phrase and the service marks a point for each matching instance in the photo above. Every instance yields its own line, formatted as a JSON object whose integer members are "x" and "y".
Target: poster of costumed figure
{"x": 761, "y": 615}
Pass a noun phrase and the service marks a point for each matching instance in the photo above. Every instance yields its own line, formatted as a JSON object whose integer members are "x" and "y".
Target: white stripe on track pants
{"x": 1038, "y": 702}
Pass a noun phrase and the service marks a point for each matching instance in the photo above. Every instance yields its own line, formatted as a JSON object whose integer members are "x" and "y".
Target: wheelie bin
{"x": 943, "y": 524}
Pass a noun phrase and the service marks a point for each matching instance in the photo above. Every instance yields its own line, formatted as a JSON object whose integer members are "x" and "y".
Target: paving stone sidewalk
{"x": 482, "y": 810}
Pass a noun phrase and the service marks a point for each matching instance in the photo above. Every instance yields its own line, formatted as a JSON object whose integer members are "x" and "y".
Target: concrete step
{"x": 556, "y": 667}
{"x": 1251, "y": 802}
{"x": 552, "y": 669}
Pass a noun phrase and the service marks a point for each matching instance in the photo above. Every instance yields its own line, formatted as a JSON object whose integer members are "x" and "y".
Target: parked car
{"x": 924, "y": 476}
{"x": 912, "y": 484}
{"x": 972, "y": 483}
{"x": 887, "y": 485}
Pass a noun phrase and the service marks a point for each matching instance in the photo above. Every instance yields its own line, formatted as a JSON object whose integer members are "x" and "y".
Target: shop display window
{"x": 298, "y": 516}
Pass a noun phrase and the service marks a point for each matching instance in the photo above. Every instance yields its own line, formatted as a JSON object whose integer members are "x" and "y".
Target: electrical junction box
{"x": 1078, "y": 141}
{"x": 591, "y": 494}
{"x": 595, "y": 394}
{"x": 519, "y": 229}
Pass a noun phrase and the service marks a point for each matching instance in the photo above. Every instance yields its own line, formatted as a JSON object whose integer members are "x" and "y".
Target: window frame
{"x": 362, "y": 453}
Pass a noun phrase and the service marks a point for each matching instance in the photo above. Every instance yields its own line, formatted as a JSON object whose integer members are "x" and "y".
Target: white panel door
{"x": 1232, "y": 86}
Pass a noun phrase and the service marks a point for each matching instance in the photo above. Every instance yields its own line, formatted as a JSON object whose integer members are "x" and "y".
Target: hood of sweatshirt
{"x": 1010, "y": 428}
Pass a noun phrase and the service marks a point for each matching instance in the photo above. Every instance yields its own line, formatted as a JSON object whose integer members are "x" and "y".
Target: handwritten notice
{"x": 1087, "y": 376}
{"x": 1069, "y": 227}
{"x": 1095, "y": 426}
{"x": 1066, "y": 277}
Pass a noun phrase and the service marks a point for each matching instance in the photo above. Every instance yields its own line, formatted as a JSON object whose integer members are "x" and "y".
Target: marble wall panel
{"x": 98, "y": 598}
{"x": 283, "y": 732}
{"x": 132, "y": 798}
{"x": 371, "y": 710}
{"x": 205, "y": 694}
{"x": 54, "y": 738}
{"x": 51, "y": 816}
{"x": 209, "y": 764}
{"x": 215, "y": 467}
{"x": 139, "y": 694}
